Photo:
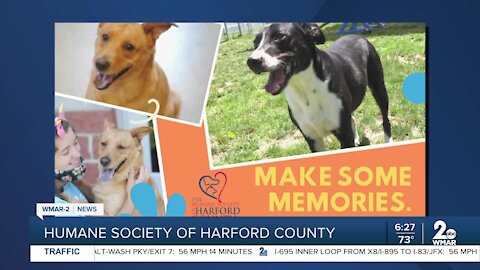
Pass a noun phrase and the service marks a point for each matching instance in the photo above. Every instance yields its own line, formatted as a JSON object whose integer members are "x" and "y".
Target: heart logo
{"x": 213, "y": 187}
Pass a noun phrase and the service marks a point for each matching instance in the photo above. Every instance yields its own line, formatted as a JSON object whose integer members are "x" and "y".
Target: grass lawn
{"x": 246, "y": 123}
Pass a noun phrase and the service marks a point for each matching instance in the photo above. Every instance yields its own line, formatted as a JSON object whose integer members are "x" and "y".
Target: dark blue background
{"x": 27, "y": 87}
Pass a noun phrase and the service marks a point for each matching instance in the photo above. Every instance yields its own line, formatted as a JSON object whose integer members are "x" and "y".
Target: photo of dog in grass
{"x": 325, "y": 77}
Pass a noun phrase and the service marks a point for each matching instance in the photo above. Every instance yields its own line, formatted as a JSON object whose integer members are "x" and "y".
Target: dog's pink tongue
{"x": 106, "y": 174}
{"x": 274, "y": 79}
{"x": 102, "y": 80}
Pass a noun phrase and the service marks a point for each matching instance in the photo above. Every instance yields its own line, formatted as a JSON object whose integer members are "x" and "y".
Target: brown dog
{"x": 124, "y": 71}
{"x": 120, "y": 151}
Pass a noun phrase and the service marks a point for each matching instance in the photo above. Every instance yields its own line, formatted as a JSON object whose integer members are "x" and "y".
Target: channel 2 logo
{"x": 444, "y": 236}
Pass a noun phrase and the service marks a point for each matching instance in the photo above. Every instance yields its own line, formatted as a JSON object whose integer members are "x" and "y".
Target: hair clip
{"x": 58, "y": 122}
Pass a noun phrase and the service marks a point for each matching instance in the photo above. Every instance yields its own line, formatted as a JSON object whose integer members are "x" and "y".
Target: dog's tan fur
{"x": 120, "y": 145}
{"x": 144, "y": 80}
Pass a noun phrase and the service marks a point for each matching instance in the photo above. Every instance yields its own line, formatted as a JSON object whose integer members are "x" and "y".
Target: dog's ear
{"x": 140, "y": 132}
{"x": 156, "y": 29}
{"x": 314, "y": 32}
{"x": 108, "y": 125}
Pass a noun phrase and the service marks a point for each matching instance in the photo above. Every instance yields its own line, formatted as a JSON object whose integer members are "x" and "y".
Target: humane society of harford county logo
{"x": 212, "y": 203}
{"x": 444, "y": 236}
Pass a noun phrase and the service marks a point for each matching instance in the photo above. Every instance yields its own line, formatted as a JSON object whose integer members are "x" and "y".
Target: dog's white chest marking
{"x": 314, "y": 107}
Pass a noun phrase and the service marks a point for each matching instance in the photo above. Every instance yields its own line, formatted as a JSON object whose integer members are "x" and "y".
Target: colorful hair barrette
{"x": 58, "y": 122}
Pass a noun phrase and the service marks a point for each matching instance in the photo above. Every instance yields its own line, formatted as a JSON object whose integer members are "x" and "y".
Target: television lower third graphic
{"x": 405, "y": 232}
{"x": 245, "y": 239}
{"x": 445, "y": 236}
{"x": 263, "y": 252}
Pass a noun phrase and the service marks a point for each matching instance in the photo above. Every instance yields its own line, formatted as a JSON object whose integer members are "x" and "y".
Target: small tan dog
{"x": 119, "y": 152}
{"x": 125, "y": 73}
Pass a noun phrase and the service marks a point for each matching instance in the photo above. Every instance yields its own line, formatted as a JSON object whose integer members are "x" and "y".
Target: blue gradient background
{"x": 27, "y": 87}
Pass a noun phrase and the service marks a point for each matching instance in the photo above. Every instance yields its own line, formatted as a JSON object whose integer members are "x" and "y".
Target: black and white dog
{"x": 323, "y": 88}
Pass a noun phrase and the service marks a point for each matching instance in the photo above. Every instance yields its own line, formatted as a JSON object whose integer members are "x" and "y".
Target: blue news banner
{"x": 254, "y": 231}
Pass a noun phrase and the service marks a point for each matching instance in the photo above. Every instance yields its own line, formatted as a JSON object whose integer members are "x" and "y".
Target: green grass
{"x": 247, "y": 124}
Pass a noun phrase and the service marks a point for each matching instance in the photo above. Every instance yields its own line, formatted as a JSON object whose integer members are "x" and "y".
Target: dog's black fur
{"x": 314, "y": 31}
{"x": 351, "y": 63}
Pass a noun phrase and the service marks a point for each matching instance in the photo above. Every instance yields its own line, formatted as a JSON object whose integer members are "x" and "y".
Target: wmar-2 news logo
{"x": 214, "y": 206}
{"x": 445, "y": 236}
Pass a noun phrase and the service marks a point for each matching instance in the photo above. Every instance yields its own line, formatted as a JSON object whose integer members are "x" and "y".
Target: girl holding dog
{"x": 70, "y": 168}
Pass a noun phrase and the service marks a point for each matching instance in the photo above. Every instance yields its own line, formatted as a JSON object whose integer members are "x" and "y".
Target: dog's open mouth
{"x": 107, "y": 173}
{"x": 103, "y": 80}
{"x": 278, "y": 79}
